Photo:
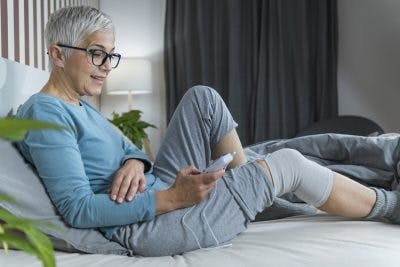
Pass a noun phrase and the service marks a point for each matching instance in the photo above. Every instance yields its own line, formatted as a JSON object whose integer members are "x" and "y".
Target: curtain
{"x": 274, "y": 62}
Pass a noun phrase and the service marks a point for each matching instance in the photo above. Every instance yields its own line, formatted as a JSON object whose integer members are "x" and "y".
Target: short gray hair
{"x": 71, "y": 25}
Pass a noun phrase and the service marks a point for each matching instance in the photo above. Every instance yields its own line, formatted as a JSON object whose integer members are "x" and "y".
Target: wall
{"x": 369, "y": 60}
{"x": 140, "y": 33}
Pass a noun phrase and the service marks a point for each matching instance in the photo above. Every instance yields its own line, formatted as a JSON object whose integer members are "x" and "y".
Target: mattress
{"x": 318, "y": 240}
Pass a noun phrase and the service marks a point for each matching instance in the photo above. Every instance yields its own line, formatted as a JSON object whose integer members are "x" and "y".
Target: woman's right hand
{"x": 190, "y": 187}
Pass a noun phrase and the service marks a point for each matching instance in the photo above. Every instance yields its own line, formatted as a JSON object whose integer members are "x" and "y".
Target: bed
{"x": 303, "y": 239}
{"x": 318, "y": 240}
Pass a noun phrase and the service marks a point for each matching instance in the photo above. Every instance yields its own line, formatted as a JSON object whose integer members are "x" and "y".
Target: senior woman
{"x": 98, "y": 179}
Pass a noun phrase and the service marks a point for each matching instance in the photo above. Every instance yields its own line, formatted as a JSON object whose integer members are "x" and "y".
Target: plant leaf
{"x": 44, "y": 253}
{"x": 38, "y": 243}
{"x": 42, "y": 244}
{"x": 131, "y": 126}
{"x": 8, "y": 217}
{"x": 15, "y": 129}
{"x": 5, "y": 198}
{"x": 18, "y": 242}
{"x": 5, "y": 244}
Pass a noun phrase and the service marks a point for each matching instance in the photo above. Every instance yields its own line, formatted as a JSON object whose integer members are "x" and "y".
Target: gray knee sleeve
{"x": 292, "y": 172}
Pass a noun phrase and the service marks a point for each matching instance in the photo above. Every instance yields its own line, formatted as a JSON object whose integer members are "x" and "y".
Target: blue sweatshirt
{"x": 77, "y": 165}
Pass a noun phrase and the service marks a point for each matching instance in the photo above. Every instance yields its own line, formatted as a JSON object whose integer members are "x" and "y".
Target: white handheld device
{"x": 220, "y": 163}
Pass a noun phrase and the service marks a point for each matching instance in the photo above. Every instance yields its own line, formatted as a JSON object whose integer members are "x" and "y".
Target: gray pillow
{"x": 19, "y": 180}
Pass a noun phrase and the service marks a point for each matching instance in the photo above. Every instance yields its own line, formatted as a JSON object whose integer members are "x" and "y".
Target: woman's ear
{"x": 56, "y": 55}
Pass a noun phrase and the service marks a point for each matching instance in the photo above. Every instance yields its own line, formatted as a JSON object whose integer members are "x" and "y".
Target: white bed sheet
{"x": 321, "y": 240}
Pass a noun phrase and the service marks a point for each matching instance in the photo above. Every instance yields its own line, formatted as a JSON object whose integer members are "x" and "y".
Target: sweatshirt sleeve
{"x": 57, "y": 159}
{"x": 132, "y": 152}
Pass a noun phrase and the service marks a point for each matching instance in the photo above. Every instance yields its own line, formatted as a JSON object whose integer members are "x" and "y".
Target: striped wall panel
{"x": 22, "y": 24}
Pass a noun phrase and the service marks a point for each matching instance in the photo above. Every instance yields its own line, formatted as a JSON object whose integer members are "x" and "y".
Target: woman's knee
{"x": 292, "y": 172}
{"x": 285, "y": 162}
{"x": 206, "y": 100}
{"x": 202, "y": 94}
{"x": 289, "y": 155}
{"x": 289, "y": 161}
{"x": 201, "y": 89}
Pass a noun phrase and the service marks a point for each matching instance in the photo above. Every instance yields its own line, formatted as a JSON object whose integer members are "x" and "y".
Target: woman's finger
{"x": 116, "y": 185}
{"x": 133, "y": 189}
{"x": 126, "y": 184}
{"x": 189, "y": 170}
{"x": 211, "y": 177}
{"x": 142, "y": 183}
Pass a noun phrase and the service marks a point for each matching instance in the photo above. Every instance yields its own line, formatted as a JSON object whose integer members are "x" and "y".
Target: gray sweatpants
{"x": 200, "y": 121}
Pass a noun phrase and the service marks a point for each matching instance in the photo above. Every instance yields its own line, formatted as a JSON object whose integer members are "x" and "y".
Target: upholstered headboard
{"x": 18, "y": 82}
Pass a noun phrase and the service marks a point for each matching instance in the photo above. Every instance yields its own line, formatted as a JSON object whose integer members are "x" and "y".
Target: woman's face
{"x": 84, "y": 77}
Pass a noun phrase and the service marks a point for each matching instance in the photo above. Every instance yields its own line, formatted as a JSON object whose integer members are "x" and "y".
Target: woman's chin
{"x": 94, "y": 91}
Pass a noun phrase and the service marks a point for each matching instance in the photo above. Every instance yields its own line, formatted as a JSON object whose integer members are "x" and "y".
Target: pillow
{"x": 19, "y": 180}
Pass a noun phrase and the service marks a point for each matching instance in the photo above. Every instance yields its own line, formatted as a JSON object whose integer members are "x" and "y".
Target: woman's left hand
{"x": 128, "y": 180}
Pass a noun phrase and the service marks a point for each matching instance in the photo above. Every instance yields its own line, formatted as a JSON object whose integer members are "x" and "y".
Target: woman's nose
{"x": 106, "y": 65}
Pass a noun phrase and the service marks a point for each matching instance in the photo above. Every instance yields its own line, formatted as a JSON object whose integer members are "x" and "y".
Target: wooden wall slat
{"x": 4, "y": 29}
{"x": 35, "y": 37}
{"x": 22, "y": 26}
{"x": 26, "y": 29}
{"x": 16, "y": 31}
{"x": 43, "y": 50}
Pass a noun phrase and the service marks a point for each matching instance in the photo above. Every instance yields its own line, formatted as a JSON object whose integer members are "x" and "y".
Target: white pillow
{"x": 19, "y": 180}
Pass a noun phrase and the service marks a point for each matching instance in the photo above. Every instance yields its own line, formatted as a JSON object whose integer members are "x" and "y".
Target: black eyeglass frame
{"x": 89, "y": 51}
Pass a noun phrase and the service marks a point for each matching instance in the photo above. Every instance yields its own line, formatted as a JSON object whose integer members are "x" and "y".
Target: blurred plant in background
{"x": 131, "y": 126}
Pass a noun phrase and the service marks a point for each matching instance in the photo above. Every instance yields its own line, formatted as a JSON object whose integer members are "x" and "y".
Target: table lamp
{"x": 131, "y": 77}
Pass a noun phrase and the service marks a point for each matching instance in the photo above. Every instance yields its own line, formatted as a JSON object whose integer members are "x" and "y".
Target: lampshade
{"x": 132, "y": 76}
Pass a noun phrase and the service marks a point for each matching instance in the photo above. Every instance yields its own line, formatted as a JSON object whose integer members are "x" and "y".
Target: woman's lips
{"x": 99, "y": 79}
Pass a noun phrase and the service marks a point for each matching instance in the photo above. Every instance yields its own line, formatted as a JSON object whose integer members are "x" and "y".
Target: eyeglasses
{"x": 99, "y": 56}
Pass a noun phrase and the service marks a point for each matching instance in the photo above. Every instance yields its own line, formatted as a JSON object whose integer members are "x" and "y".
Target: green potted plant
{"x": 132, "y": 126}
{"x": 15, "y": 231}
